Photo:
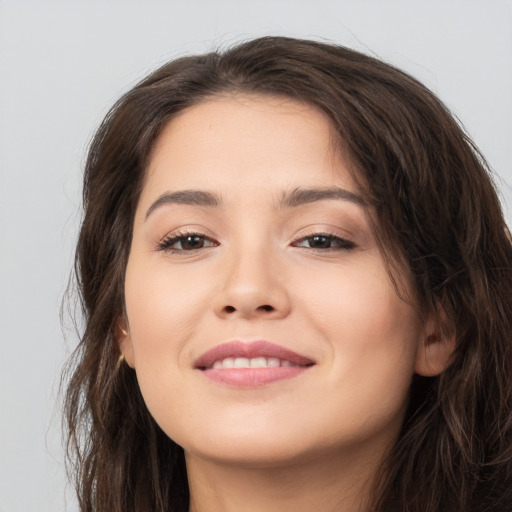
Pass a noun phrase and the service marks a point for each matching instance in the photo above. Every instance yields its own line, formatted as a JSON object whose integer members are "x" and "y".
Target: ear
{"x": 124, "y": 342}
{"x": 435, "y": 350}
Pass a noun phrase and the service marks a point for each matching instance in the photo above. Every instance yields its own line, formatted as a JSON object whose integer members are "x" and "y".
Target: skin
{"x": 312, "y": 442}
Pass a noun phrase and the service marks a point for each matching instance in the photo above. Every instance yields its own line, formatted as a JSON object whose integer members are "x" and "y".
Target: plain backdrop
{"x": 62, "y": 65}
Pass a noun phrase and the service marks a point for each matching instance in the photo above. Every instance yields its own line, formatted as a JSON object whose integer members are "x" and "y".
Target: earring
{"x": 120, "y": 361}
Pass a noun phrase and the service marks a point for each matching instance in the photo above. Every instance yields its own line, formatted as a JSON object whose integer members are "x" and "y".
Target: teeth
{"x": 241, "y": 362}
{"x": 256, "y": 362}
{"x": 229, "y": 362}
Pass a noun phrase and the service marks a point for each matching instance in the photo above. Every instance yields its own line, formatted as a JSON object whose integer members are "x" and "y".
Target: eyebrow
{"x": 296, "y": 197}
{"x": 301, "y": 196}
{"x": 190, "y": 197}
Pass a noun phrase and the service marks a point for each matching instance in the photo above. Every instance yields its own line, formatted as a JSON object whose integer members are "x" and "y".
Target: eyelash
{"x": 342, "y": 244}
{"x": 167, "y": 243}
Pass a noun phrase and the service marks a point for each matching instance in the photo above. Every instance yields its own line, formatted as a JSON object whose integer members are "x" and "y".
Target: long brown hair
{"x": 436, "y": 210}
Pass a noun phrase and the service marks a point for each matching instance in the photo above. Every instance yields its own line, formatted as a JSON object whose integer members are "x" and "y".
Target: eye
{"x": 185, "y": 242}
{"x": 322, "y": 241}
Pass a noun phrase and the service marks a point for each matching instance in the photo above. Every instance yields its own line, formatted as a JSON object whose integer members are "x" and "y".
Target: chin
{"x": 247, "y": 444}
{"x": 261, "y": 453}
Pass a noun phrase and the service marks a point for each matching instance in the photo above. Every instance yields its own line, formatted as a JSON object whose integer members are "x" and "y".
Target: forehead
{"x": 243, "y": 137}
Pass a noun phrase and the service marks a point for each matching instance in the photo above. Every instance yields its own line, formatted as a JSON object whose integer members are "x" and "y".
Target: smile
{"x": 255, "y": 362}
{"x": 251, "y": 364}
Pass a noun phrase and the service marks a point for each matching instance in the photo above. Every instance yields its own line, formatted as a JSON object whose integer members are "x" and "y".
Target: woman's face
{"x": 252, "y": 247}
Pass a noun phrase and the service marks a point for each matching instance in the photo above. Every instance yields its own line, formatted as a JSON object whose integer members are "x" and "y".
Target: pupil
{"x": 321, "y": 241}
{"x": 192, "y": 242}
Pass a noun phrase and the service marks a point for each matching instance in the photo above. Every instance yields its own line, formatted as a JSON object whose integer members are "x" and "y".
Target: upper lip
{"x": 250, "y": 350}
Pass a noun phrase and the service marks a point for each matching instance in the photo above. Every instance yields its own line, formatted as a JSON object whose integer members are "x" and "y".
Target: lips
{"x": 237, "y": 349}
{"x": 273, "y": 363}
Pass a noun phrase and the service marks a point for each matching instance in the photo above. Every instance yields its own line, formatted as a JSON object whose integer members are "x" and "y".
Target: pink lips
{"x": 251, "y": 377}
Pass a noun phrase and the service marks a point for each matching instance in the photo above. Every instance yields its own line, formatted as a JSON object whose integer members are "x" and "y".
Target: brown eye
{"x": 186, "y": 242}
{"x": 320, "y": 242}
{"x": 191, "y": 242}
{"x": 325, "y": 242}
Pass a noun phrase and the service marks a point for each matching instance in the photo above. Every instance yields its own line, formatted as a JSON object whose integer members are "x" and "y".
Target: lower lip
{"x": 253, "y": 377}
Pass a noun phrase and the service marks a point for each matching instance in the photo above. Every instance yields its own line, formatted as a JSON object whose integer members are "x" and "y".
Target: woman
{"x": 296, "y": 281}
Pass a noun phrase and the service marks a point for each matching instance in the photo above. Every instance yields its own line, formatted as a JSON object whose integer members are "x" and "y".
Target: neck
{"x": 327, "y": 485}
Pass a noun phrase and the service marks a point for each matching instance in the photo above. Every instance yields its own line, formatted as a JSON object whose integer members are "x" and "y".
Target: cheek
{"x": 163, "y": 311}
{"x": 371, "y": 334}
{"x": 163, "y": 308}
{"x": 360, "y": 303}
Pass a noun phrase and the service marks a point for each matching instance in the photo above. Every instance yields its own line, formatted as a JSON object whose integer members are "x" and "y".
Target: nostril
{"x": 265, "y": 307}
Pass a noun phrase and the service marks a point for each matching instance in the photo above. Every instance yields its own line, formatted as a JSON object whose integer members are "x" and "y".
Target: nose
{"x": 252, "y": 287}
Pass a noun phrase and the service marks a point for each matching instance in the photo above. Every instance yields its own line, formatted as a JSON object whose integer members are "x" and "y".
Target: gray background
{"x": 64, "y": 63}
